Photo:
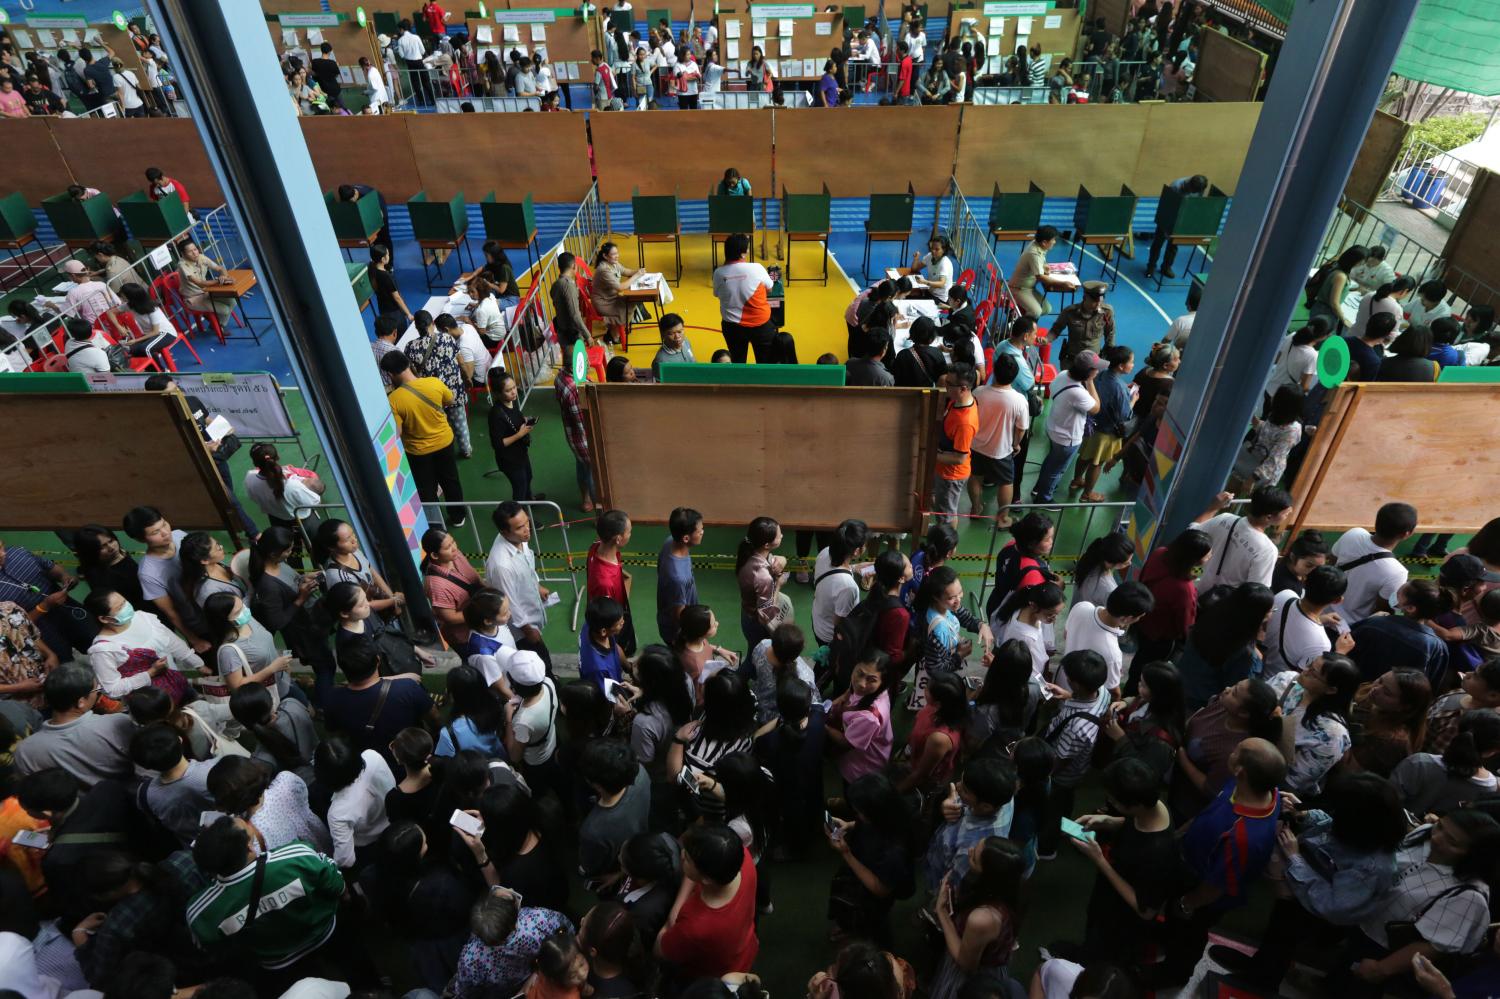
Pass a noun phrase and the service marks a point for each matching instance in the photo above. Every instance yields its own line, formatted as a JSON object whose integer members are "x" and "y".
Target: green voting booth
{"x": 359, "y": 281}
{"x": 154, "y": 222}
{"x": 727, "y": 215}
{"x": 80, "y": 224}
{"x": 1190, "y": 220}
{"x": 512, "y": 224}
{"x": 355, "y": 223}
{"x": 18, "y": 230}
{"x": 890, "y": 222}
{"x": 655, "y": 220}
{"x": 752, "y": 374}
{"x": 439, "y": 225}
{"x": 1104, "y": 222}
{"x": 806, "y": 218}
{"x": 1014, "y": 216}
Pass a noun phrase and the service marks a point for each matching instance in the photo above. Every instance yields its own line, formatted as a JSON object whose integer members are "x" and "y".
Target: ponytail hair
{"x": 432, "y": 543}
{"x": 1047, "y": 594}
{"x": 1427, "y": 599}
{"x": 760, "y": 532}
{"x": 1478, "y": 737}
{"x": 266, "y": 459}
{"x": 252, "y": 707}
{"x": 273, "y": 540}
{"x": 1402, "y": 283}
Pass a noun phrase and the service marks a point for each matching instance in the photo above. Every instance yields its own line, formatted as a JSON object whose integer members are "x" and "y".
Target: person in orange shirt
{"x": 744, "y": 311}
{"x": 960, "y": 424}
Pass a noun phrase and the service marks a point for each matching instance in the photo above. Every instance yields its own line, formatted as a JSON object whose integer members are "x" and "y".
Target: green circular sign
{"x": 482, "y": 11}
{"x": 359, "y": 15}
{"x": 1333, "y": 361}
{"x": 120, "y": 22}
{"x": 4, "y": 17}
{"x": 580, "y": 362}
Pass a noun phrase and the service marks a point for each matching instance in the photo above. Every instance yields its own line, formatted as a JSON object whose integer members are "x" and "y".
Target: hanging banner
{"x": 250, "y": 401}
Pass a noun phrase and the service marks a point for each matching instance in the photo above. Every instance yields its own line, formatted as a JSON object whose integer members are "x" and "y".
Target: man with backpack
{"x": 836, "y": 589}
{"x": 1369, "y": 562}
{"x": 1071, "y": 730}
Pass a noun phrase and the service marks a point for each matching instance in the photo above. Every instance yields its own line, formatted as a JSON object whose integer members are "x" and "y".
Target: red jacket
{"x": 435, "y": 16}
{"x": 1176, "y": 606}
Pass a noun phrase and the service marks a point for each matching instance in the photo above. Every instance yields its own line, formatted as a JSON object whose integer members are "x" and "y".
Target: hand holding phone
{"x": 1073, "y": 830}
{"x": 466, "y": 823}
{"x": 531, "y": 421}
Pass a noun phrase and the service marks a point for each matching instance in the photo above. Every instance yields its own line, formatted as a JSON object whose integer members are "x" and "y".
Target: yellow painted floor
{"x": 814, "y": 312}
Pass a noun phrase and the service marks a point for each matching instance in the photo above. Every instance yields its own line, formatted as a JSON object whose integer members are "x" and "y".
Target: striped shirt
{"x": 298, "y": 906}
{"x": 24, "y": 577}
{"x": 741, "y": 287}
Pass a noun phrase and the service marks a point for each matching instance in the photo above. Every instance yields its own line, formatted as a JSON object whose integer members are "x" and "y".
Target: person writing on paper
{"x": 609, "y": 279}
{"x": 933, "y": 272}
{"x": 92, "y": 301}
{"x": 1028, "y": 282}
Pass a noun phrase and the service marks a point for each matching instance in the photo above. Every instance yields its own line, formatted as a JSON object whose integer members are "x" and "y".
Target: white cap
{"x": 526, "y": 668}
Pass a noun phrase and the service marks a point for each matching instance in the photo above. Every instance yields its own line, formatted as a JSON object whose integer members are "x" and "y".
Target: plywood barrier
{"x": 143, "y": 444}
{"x": 876, "y": 444}
{"x": 1057, "y": 146}
{"x": 1377, "y": 155}
{"x": 1379, "y": 442}
{"x": 1228, "y": 69}
{"x": 683, "y": 152}
{"x": 865, "y": 150}
{"x": 511, "y": 154}
{"x": 36, "y": 167}
{"x": 364, "y": 149}
{"x": 1473, "y": 252}
{"x": 112, "y": 154}
{"x": 1182, "y": 139}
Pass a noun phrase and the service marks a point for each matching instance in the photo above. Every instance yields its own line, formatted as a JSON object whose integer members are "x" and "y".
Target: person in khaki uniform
{"x": 1087, "y": 324}
{"x": 1028, "y": 282}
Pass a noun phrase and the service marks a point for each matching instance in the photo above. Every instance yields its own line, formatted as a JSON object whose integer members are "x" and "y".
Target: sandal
{"x": 1093, "y": 498}
{"x": 587, "y": 507}
{"x": 1074, "y": 486}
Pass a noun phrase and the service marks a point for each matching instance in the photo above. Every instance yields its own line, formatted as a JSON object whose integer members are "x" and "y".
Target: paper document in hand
{"x": 218, "y": 428}
{"x": 553, "y": 599}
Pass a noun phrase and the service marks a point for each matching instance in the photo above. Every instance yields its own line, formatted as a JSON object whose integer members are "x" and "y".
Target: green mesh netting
{"x": 1454, "y": 43}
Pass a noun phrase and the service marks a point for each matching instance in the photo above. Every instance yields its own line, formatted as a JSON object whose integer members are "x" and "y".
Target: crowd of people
{"x": 86, "y": 78}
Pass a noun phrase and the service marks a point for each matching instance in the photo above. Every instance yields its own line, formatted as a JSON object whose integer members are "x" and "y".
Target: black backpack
{"x": 855, "y": 635}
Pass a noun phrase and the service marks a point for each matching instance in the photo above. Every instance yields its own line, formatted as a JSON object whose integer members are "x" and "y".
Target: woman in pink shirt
{"x": 859, "y": 722}
{"x": 12, "y": 101}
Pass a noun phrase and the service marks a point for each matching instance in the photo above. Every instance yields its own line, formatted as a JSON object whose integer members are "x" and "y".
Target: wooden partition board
{"x": 1057, "y": 42}
{"x": 1014, "y": 144}
{"x": 41, "y": 170}
{"x": 1377, "y": 155}
{"x": 816, "y": 146}
{"x": 1473, "y": 252}
{"x": 349, "y": 42}
{"x": 568, "y": 39}
{"x": 770, "y": 443}
{"x": 1356, "y": 463}
{"x": 476, "y": 153}
{"x": 806, "y": 42}
{"x": 1228, "y": 70}
{"x": 1116, "y": 14}
{"x": 140, "y": 443}
{"x": 683, "y": 153}
{"x": 112, "y": 154}
{"x": 1182, "y": 139}
{"x": 366, "y": 149}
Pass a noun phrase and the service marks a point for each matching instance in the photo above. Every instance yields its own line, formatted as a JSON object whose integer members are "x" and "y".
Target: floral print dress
{"x": 21, "y": 657}
{"x": 1317, "y": 748}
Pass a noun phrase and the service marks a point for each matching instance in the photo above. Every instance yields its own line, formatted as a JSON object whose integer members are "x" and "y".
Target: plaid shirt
{"x": 145, "y": 917}
{"x": 572, "y": 415}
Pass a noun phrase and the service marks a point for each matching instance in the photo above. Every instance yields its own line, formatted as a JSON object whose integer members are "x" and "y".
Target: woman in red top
{"x": 937, "y": 733}
{"x": 606, "y": 570}
{"x": 1168, "y": 574}
{"x": 450, "y": 580}
{"x": 711, "y": 929}
{"x": 892, "y": 570}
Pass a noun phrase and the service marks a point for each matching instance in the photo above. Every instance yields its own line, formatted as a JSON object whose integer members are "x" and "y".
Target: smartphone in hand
{"x": 466, "y": 823}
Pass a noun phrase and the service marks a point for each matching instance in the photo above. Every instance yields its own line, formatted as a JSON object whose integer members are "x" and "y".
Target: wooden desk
{"x": 998, "y": 236}
{"x": 878, "y": 236}
{"x": 242, "y": 282}
{"x": 675, "y": 238}
{"x": 529, "y": 246}
{"x": 1115, "y": 242}
{"x": 458, "y": 247}
{"x": 640, "y": 296}
{"x": 346, "y": 245}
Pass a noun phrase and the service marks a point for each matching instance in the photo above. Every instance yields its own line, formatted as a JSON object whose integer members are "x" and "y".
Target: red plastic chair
{"x": 130, "y": 321}
{"x": 168, "y": 290}
{"x": 982, "y": 316}
{"x": 966, "y": 279}
{"x": 1044, "y": 343}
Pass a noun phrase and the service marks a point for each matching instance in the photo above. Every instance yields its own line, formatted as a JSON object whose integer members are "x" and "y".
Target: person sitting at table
{"x": 734, "y": 184}
{"x": 156, "y": 331}
{"x": 114, "y": 269}
{"x": 933, "y": 273}
{"x": 868, "y": 369}
{"x": 197, "y": 270}
{"x": 498, "y": 269}
{"x": 609, "y": 280}
{"x": 1028, "y": 282}
{"x": 91, "y": 300}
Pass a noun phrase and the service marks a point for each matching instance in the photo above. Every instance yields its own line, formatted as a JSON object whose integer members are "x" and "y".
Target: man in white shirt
{"x": 1241, "y": 551}
{"x": 836, "y": 589}
{"x": 1098, "y": 628}
{"x": 916, "y": 43}
{"x": 411, "y": 51}
{"x": 1074, "y": 400}
{"x": 83, "y": 354}
{"x": 91, "y": 300}
{"x": 1182, "y": 327}
{"x": 1368, "y": 560}
{"x": 1296, "y": 633}
{"x": 511, "y": 569}
{"x": 1004, "y": 417}
{"x": 744, "y": 309}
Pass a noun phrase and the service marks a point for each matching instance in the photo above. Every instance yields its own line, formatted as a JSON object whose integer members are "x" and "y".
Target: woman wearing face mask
{"x": 244, "y": 651}
{"x": 133, "y": 648}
